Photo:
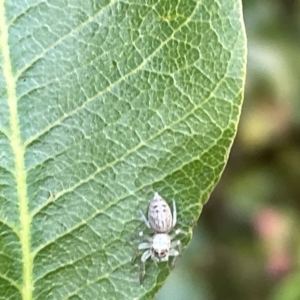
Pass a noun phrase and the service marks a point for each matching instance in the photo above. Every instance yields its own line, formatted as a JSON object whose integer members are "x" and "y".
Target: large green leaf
{"x": 102, "y": 103}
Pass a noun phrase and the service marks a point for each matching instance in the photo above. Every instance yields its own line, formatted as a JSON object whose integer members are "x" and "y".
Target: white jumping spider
{"x": 161, "y": 245}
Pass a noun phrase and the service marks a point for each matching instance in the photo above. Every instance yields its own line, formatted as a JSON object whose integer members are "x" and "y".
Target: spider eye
{"x": 161, "y": 253}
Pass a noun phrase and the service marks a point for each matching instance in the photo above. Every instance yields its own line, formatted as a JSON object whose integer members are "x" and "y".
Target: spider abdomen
{"x": 159, "y": 215}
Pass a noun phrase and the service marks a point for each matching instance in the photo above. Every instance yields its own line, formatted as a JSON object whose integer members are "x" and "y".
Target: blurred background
{"x": 246, "y": 244}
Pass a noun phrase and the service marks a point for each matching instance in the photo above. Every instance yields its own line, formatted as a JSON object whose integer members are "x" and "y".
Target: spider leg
{"x": 175, "y": 253}
{"x": 145, "y": 237}
{"x": 145, "y": 219}
{"x": 144, "y": 257}
{"x": 141, "y": 246}
{"x": 177, "y": 244}
{"x": 174, "y": 213}
{"x": 178, "y": 231}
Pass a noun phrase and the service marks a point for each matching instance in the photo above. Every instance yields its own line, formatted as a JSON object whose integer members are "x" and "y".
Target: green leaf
{"x": 103, "y": 103}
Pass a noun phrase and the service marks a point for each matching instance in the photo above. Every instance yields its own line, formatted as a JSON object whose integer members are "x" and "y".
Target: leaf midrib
{"x": 18, "y": 153}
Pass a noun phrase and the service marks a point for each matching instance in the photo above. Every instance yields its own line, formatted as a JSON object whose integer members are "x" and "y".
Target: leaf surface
{"x": 103, "y": 103}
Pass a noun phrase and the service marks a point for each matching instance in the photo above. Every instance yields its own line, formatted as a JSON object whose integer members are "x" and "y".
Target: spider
{"x": 161, "y": 245}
